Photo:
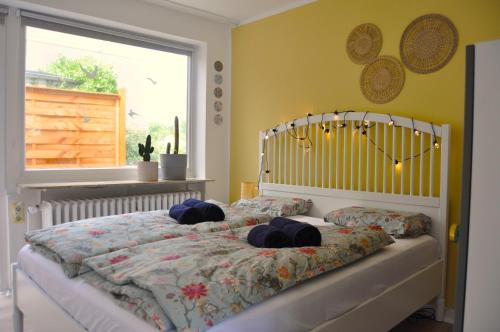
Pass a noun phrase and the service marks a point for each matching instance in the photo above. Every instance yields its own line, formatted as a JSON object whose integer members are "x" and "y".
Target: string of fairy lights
{"x": 361, "y": 126}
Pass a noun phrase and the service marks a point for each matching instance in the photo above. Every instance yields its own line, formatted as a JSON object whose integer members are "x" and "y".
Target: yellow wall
{"x": 295, "y": 62}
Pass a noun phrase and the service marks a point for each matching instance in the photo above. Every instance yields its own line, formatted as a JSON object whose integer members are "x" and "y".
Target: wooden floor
{"x": 5, "y": 313}
{"x": 420, "y": 326}
{"x": 423, "y": 326}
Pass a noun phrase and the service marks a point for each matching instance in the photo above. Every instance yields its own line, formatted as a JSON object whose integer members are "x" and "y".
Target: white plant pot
{"x": 147, "y": 171}
{"x": 173, "y": 166}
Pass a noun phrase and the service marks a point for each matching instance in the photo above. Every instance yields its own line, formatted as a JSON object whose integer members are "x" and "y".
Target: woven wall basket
{"x": 428, "y": 43}
{"x": 364, "y": 43}
{"x": 382, "y": 80}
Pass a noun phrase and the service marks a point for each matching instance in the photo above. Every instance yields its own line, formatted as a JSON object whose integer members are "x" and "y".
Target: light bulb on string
{"x": 336, "y": 115}
{"x": 415, "y": 131}
{"x": 397, "y": 164}
{"x": 391, "y": 121}
{"x": 435, "y": 143}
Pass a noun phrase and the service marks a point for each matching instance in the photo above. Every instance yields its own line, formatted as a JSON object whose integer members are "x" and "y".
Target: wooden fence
{"x": 74, "y": 129}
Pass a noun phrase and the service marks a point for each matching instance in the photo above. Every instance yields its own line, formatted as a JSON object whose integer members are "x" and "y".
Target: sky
{"x": 155, "y": 81}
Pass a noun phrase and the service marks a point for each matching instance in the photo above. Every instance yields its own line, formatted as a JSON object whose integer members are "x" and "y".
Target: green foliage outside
{"x": 160, "y": 136}
{"x": 91, "y": 75}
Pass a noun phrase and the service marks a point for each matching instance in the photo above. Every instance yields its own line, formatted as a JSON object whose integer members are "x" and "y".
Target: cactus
{"x": 176, "y": 138}
{"x": 146, "y": 150}
{"x": 176, "y": 142}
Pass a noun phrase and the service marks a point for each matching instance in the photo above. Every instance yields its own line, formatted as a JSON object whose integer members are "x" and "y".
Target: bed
{"x": 400, "y": 278}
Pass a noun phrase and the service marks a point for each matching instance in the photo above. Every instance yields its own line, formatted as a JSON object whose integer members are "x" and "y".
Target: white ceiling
{"x": 233, "y": 11}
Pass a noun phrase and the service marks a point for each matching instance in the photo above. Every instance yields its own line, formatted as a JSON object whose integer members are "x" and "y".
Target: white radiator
{"x": 58, "y": 212}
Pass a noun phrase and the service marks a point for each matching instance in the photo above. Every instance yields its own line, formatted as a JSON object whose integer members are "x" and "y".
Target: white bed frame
{"x": 294, "y": 172}
{"x": 332, "y": 175}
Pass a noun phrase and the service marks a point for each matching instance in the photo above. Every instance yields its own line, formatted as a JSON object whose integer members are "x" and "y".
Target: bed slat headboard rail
{"x": 357, "y": 151}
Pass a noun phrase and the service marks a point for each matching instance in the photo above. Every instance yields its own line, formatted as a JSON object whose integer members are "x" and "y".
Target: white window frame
{"x": 4, "y": 229}
{"x": 28, "y": 18}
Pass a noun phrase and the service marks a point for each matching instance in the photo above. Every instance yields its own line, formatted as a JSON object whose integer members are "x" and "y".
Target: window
{"x": 4, "y": 11}
{"x": 89, "y": 101}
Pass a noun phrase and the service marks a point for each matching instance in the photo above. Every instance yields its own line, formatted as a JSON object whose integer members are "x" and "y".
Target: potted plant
{"x": 173, "y": 166}
{"x": 147, "y": 170}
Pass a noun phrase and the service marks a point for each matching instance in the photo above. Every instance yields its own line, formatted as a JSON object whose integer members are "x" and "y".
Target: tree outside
{"x": 91, "y": 75}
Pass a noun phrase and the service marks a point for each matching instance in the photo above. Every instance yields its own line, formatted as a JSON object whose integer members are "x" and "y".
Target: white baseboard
{"x": 449, "y": 316}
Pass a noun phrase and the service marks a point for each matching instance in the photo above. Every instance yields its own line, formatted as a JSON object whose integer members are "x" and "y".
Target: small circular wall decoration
{"x": 218, "y": 66}
{"x": 428, "y": 43}
{"x": 218, "y": 79}
{"x": 218, "y": 119}
{"x": 218, "y": 106}
{"x": 364, "y": 43}
{"x": 382, "y": 80}
{"x": 218, "y": 92}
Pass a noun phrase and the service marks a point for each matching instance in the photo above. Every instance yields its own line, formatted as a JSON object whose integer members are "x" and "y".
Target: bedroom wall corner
{"x": 295, "y": 62}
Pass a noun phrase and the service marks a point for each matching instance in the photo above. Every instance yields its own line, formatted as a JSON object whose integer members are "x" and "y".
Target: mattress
{"x": 299, "y": 308}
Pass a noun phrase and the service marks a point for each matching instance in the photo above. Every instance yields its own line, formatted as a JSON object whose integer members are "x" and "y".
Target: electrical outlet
{"x": 17, "y": 212}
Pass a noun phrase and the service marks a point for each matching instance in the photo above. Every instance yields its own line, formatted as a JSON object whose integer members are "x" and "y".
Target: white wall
{"x": 482, "y": 298}
{"x": 212, "y": 42}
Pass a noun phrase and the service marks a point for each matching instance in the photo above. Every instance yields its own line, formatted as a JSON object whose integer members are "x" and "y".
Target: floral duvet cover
{"x": 68, "y": 244}
{"x": 201, "y": 279}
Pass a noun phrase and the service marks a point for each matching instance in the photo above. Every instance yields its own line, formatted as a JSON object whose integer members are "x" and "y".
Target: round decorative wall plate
{"x": 428, "y": 43}
{"x": 218, "y": 92}
{"x": 218, "y": 106}
{"x": 382, "y": 80}
{"x": 218, "y": 119}
{"x": 218, "y": 79}
{"x": 364, "y": 43}
{"x": 218, "y": 66}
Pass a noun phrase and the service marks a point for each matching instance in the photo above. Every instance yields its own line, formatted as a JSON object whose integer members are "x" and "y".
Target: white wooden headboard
{"x": 349, "y": 158}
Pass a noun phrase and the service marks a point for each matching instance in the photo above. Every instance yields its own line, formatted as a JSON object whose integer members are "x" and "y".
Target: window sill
{"x": 86, "y": 169}
{"x": 85, "y": 175}
{"x": 99, "y": 184}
